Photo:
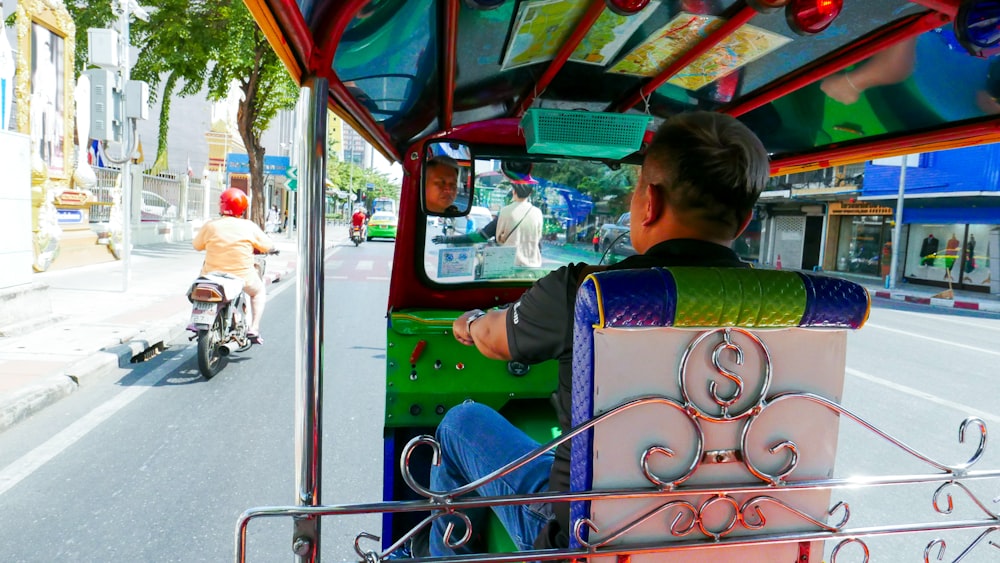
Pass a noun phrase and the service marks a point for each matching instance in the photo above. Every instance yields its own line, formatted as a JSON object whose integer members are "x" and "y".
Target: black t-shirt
{"x": 540, "y": 327}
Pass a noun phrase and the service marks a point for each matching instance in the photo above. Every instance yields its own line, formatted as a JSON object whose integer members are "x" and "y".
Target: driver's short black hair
{"x": 709, "y": 164}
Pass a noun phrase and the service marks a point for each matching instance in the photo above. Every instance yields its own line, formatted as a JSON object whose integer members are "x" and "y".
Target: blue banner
{"x": 237, "y": 163}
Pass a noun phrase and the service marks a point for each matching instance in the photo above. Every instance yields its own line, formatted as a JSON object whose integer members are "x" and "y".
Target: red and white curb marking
{"x": 937, "y": 302}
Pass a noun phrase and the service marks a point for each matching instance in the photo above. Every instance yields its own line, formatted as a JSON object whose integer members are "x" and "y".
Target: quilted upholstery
{"x": 695, "y": 298}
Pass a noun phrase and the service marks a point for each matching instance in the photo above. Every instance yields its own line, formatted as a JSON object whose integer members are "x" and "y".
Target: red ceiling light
{"x": 626, "y": 7}
{"x": 809, "y": 17}
{"x": 767, "y": 6}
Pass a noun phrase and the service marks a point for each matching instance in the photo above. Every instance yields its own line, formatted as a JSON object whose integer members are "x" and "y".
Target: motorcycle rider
{"x": 359, "y": 220}
{"x": 229, "y": 243}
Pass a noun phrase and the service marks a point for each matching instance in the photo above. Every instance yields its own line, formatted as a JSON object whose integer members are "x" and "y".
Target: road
{"x": 157, "y": 464}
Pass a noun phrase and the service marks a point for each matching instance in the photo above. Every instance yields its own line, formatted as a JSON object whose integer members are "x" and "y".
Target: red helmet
{"x": 233, "y": 202}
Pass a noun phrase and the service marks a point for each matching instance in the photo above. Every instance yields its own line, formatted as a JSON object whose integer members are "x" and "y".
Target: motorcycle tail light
{"x": 206, "y": 293}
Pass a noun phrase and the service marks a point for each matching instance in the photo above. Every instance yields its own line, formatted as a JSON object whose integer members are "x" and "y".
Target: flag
{"x": 190, "y": 172}
{"x": 95, "y": 154}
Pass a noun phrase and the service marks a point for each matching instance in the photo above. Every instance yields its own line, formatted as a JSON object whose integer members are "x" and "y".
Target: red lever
{"x": 417, "y": 351}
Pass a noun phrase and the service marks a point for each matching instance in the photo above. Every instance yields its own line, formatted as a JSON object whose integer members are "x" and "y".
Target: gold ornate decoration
{"x": 53, "y": 16}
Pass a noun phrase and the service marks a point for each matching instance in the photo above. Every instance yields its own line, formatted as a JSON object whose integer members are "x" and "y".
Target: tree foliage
{"x": 189, "y": 45}
{"x": 594, "y": 179}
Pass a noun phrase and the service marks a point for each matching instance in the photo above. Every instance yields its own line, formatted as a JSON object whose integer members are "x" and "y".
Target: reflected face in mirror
{"x": 441, "y": 184}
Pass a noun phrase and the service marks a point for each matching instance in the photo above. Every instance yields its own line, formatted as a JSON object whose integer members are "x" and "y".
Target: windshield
{"x": 523, "y": 229}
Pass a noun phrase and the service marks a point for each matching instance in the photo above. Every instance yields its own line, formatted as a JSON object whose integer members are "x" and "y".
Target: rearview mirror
{"x": 447, "y": 179}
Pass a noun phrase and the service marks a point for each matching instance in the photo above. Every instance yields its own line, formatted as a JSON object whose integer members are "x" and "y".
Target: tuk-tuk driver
{"x": 441, "y": 184}
{"x": 700, "y": 178}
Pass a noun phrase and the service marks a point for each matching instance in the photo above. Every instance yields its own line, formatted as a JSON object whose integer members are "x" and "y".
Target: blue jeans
{"x": 475, "y": 441}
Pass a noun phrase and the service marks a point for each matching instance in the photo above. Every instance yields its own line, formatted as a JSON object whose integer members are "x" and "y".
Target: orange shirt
{"x": 229, "y": 243}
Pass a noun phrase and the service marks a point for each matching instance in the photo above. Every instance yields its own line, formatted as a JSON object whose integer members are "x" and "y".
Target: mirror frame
{"x": 469, "y": 181}
{"x": 35, "y": 18}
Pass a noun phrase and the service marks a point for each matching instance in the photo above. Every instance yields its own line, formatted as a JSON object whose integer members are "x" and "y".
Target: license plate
{"x": 203, "y": 313}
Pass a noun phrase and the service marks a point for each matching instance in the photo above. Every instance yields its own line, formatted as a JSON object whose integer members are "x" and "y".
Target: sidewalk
{"x": 925, "y": 295}
{"x": 99, "y": 328}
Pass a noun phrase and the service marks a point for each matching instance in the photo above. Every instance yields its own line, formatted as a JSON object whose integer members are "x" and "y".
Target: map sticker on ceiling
{"x": 608, "y": 35}
{"x": 744, "y": 46}
{"x": 540, "y": 29}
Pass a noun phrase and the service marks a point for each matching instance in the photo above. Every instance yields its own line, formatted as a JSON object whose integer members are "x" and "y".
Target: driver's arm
{"x": 488, "y": 332}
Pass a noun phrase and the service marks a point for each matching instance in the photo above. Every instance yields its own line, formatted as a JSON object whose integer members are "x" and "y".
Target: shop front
{"x": 949, "y": 254}
{"x": 863, "y": 237}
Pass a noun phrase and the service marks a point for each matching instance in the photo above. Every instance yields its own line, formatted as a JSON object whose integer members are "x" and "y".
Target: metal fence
{"x": 161, "y": 197}
{"x": 103, "y": 194}
{"x": 196, "y": 200}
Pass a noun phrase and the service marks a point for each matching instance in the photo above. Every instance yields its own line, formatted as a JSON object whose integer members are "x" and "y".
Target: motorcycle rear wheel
{"x": 209, "y": 358}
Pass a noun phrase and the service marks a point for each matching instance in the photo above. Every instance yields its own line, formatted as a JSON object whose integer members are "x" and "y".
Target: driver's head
{"x": 440, "y": 183}
{"x": 701, "y": 176}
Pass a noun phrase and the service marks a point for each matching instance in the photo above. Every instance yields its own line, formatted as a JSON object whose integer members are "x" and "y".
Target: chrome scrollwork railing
{"x": 735, "y": 398}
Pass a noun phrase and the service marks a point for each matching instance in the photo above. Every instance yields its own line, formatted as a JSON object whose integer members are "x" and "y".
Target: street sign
{"x": 370, "y": 186}
{"x": 292, "y": 184}
{"x": 292, "y": 173}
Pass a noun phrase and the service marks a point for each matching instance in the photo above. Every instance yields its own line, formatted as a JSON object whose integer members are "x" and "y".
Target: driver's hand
{"x": 439, "y": 239}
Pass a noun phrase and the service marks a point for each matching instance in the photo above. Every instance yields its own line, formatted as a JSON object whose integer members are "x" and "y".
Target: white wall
{"x": 16, "y": 253}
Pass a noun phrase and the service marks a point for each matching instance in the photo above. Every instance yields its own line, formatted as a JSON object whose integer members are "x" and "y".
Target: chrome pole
{"x": 309, "y": 315}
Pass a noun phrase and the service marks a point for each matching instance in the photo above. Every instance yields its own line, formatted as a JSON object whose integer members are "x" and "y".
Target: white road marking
{"x": 963, "y": 409}
{"x": 987, "y": 324}
{"x": 334, "y": 264}
{"x": 21, "y": 469}
{"x": 932, "y": 339}
{"x": 365, "y": 265}
{"x": 377, "y": 278}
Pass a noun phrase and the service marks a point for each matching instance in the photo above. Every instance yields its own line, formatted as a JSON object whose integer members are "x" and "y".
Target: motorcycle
{"x": 220, "y": 316}
{"x": 357, "y": 234}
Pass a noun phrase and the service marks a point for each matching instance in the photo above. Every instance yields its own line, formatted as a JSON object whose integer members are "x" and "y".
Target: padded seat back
{"x": 712, "y": 351}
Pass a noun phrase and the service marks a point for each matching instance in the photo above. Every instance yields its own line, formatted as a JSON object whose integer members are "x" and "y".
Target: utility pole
{"x": 117, "y": 102}
{"x": 897, "y": 230}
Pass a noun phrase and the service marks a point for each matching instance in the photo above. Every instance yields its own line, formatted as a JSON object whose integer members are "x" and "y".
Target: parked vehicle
{"x": 155, "y": 207}
{"x": 615, "y": 242}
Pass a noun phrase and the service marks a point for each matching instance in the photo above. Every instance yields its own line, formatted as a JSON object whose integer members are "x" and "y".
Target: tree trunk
{"x": 245, "y": 118}
{"x": 160, "y": 164}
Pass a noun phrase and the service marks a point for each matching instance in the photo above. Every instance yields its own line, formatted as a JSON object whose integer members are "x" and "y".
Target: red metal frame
{"x": 582, "y": 28}
{"x": 949, "y": 7}
{"x": 406, "y": 290}
{"x": 448, "y": 77}
{"x": 840, "y": 59}
{"x": 978, "y": 133}
{"x": 744, "y": 15}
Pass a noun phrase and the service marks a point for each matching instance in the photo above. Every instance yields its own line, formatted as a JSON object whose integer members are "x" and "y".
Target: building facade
{"x": 843, "y": 219}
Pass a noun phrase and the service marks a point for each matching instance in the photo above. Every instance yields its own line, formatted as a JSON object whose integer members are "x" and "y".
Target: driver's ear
{"x": 655, "y": 202}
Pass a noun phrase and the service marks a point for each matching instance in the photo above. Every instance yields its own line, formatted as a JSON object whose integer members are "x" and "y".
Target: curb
{"x": 938, "y": 302}
{"x": 106, "y": 361}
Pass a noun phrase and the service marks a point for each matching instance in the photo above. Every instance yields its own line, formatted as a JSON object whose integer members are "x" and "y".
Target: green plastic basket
{"x": 583, "y": 133}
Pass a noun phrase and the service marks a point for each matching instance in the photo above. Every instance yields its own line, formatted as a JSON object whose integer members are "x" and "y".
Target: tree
{"x": 244, "y": 55}
{"x": 189, "y": 44}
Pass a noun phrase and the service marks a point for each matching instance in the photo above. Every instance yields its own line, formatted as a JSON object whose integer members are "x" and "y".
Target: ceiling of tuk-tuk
{"x": 394, "y": 77}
